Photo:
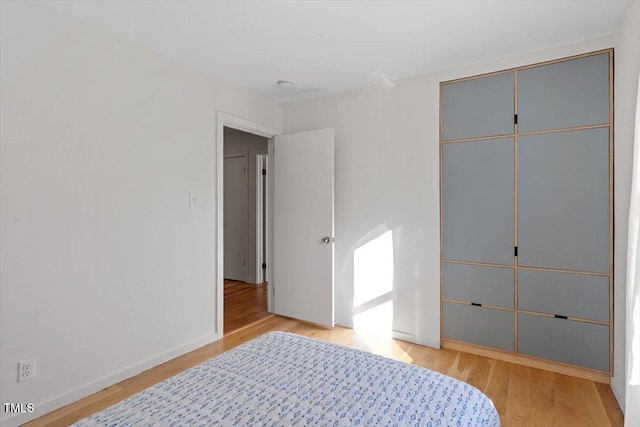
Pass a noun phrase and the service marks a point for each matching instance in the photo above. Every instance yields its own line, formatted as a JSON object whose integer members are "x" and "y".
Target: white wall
{"x": 387, "y": 163}
{"x": 105, "y": 271}
{"x": 627, "y": 67}
{"x": 252, "y": 145}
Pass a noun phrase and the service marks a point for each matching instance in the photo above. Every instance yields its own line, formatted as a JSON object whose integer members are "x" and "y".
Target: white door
{"x": 302, "y": 274}
{"x": 235, "y": 217}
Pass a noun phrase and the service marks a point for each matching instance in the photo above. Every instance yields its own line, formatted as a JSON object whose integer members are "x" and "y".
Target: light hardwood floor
{"x": 244, "y": 304}
{"x": 522, "y": 395}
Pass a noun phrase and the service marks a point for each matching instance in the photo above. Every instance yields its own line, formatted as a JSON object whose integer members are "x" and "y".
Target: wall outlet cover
{"x": 26, "y": 370}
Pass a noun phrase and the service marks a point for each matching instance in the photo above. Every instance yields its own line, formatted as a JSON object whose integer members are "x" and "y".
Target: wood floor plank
{"x": 543, "y": 409}
{"x": 437, "y": 360}
{"x": 518, "y": 411}
{"x": 567, "y": 408}
{"x": 610, "y": 404}
{"x": 497, "y": 387}
{"x": 479, "y": 370}
{"x": 586, "y": 394}
{"x": 244, "y": 303}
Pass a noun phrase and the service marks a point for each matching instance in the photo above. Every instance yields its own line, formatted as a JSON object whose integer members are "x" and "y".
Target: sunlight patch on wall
{"x": 373, "y": 285}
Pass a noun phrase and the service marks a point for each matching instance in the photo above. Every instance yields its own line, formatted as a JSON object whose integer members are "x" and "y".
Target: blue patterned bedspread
{"x": 283, "y": 379}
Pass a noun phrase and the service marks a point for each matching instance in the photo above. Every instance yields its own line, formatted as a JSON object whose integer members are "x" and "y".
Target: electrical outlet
{"x": 26, "y": 370}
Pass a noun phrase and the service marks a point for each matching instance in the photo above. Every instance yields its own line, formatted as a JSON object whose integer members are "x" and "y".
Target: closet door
{"x": 563, "y": 200}
{"x": 479, "y": 325}
{"x": 570, "y": 295}
{"x": 478, "y": 284}
{"x": 478, "y": 107}
{"x": 478, "y": 201}
{"x": 578, "y": 343}
{"x": 564, "y": 95}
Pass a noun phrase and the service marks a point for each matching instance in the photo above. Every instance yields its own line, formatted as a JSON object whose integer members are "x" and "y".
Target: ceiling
{"x": 326, "y": 47}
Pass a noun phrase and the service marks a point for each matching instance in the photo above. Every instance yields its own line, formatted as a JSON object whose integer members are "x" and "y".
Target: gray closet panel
{"x": 477, "y": 201}
{"x": 478, "y": 107}
{"x": 565, "y": 94}
{"x": 563, "y": 200}
{"x": 567, "y": 294}
{"x": 479, "y": 325}
{"x": 473, "y": 283}
{"x": 568, "y": 341}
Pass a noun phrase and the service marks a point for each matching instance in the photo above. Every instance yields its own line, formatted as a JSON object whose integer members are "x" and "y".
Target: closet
{"x": 527, "y": 211}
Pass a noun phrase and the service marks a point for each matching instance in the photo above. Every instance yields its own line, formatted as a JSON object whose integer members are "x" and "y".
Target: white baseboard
{"x": 618, "y": 391}
{"x": 402, "y": 336}
{"x": 416, "y": 339}
{"x": 344, "y": 324}
{"x": 59, "y": 401}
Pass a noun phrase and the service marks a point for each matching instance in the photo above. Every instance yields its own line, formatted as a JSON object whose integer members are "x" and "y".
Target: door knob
{"x": 326, "y": 240}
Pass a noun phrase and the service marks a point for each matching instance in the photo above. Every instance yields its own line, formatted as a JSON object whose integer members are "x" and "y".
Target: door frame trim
{"x": 229, "y": 120}
{"x": 262, "y": 215}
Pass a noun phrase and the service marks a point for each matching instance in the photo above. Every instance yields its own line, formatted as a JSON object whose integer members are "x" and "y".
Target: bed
{"x": 284, "y": 379}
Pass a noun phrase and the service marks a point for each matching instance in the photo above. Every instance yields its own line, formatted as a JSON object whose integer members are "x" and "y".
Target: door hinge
{"x": 244, "y": 263}
{"x": 515, "y": 119}
{"x": 264, "y": 171}
{"x": 515, "y": 251}
{"x": 264, "y": 265}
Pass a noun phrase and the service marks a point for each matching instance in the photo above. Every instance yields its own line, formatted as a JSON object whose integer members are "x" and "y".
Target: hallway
{"x": 244, "y": 304}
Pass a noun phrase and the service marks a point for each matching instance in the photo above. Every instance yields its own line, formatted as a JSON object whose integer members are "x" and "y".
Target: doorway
{"x": 300, "y": 255}
{"x": 245, "y": 201}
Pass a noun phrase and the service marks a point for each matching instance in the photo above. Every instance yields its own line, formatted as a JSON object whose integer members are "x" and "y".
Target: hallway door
{"x": 235, "y": 217}
{"x": 302, "y": 274}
